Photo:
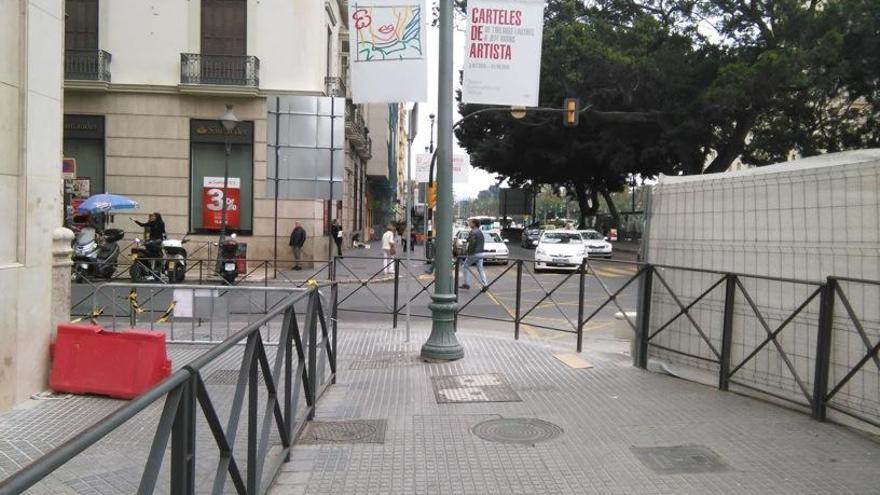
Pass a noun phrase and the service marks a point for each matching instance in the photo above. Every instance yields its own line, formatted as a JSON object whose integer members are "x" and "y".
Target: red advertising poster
{"x": 212, "y": 203}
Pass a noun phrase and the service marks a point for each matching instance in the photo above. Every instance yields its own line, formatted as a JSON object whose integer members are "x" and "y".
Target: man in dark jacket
{"x": 297, "y": 240}
{"x": 336, "y": 234}
{"x": 475, "y": 249}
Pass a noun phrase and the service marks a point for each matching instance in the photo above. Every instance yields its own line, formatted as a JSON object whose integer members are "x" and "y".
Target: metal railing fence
{"x": 282, "y": 382}
{"x": 799, "y": 341}
{"x": 801, "y": 348}
{"x": 192, "y": 314}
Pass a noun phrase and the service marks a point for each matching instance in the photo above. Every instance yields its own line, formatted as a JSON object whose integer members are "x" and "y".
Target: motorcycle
{"x": 227, "y": 264}
{"x": 95, "y": 255}
{"x": 159, "y": 259}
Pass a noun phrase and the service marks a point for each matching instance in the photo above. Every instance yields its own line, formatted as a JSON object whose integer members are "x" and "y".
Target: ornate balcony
{"x": 356, "y": 131}
{"x": 335, "y": 86}
{"x": 87, "y": 65}
{"x": 225, "y": 70}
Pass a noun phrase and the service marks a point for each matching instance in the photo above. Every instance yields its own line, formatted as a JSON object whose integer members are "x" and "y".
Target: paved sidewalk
{"x": 573, "y": 430}
{"x": 612, "y": 417}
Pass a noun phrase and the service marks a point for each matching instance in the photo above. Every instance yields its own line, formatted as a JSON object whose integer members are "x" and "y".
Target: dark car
{"x": 530, "y": 236}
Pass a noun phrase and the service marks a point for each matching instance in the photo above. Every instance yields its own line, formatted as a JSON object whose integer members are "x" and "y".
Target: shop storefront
{"x": 208, "y": 141}
{"x": 84, "y": 142}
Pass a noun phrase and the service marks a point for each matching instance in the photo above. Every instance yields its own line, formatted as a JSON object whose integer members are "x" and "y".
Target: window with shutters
{"x": 224, "y": 41}
{"x": 81, "y": 25}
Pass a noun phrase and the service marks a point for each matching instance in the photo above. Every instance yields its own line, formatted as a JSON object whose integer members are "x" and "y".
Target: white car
{"x": 495, "y": 248}
{"x": 459, "y": 242}
{"x": 560, "y": 250}
{"x": 597, "y": 245}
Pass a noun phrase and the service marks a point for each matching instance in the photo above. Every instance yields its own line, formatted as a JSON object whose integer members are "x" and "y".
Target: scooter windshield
{"x": 85, "y": 236}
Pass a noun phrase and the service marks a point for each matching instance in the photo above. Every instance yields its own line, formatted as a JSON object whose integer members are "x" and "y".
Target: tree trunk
{"x": 612, "y": 208}
{"x": 735, "y": 145}
{"x": 583, "y": 200}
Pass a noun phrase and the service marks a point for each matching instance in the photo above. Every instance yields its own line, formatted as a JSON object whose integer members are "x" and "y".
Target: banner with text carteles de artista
{"x": 388, "y": 50}
{"x": 502, "y": 63}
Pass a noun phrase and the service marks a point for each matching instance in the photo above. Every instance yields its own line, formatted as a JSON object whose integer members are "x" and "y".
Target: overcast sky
{"x": 478, "y": 179}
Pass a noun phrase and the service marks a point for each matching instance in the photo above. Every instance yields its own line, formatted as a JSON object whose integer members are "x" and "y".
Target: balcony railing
{"x": 232, "y": 70}
{"x": 335, "y": 86}
{"x": 86, "y": 65}
{"x": 356, "y": 131}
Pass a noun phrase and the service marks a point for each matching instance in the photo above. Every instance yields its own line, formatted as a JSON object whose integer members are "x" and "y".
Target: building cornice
{"x": 188, "y": 89}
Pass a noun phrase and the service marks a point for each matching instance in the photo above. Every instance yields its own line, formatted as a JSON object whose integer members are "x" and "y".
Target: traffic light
{"x": 571, "y": 112}
{"x": 432, "y": 195}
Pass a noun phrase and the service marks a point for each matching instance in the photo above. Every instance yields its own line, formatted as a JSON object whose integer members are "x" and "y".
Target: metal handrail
{"x": 187, "y": 381}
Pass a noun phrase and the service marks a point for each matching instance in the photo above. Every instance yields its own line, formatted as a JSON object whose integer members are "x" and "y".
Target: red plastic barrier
{"x": 87, "y": 359}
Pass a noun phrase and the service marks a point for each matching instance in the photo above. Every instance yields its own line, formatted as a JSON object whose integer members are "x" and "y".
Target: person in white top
{"x": 388, "y": 248}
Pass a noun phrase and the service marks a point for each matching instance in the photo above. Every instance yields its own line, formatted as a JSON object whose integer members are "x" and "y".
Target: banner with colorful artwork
{"x": 502, "y": 63}
{"x": 387, "y": 51}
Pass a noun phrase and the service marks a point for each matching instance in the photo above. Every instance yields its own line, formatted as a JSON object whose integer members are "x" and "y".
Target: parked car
{"x": 560, "y": 250}
{"x": 530, "y": 236}
{"x": 597, "y": 245}
{"x": 459, "y": 242}
{"x": 495, "y": 248}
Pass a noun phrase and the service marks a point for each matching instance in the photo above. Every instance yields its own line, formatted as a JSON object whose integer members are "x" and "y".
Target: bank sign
{"x": 212, "y": 202}
{"x": 503, "y": 54}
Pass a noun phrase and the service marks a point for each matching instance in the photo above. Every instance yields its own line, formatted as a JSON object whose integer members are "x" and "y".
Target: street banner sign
{"x": 460, "y": 168}
{"x": 514, "y": 202}
{"x": 212, "y": 202}
{"x": 387, "y": 50}
{"x": 502, "y": 63}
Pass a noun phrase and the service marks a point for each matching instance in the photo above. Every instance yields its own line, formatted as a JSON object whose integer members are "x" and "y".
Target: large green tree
{"x": 671, "y": 86}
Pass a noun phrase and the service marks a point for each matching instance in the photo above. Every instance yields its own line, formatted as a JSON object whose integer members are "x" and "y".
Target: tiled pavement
{"x": 608, "y": 415}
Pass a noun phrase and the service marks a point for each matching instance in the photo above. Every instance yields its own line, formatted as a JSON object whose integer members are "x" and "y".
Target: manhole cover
{"x": 491, "y": 387}
{"x": 680, "y": 459}
{"x": 355, "y": 431}
{"x": 527, "y": 431}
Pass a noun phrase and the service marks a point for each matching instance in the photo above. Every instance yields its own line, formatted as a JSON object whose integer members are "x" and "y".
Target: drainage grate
{"x": 492, "y": 387}
{"x": 680, "y": 459}
{"x": 526, "y": 431}
{"x": 352, "y": 431}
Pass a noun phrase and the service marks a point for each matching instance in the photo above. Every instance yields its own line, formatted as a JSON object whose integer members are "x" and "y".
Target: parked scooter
{"x": 95, "y": 255}
{"x": 227, "y": 264}
{"x": 159, "y": 260}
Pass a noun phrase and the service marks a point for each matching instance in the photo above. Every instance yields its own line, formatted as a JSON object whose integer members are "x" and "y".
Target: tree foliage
{"x": 673, "y": 85}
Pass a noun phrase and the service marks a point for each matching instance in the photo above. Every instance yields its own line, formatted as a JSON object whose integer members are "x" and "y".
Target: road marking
{"x": 615, "y": 272}
{"x": 528, "y": 329}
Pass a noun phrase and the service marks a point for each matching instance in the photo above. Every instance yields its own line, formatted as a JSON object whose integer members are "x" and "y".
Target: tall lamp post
{"x": 431, "y": 147}
{"x": 229, "y": 121}
{"x": 429, "y": 212}
{"x": 442, "y": 344}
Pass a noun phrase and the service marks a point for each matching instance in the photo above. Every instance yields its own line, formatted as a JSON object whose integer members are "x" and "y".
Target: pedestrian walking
{"x": 475, "y": 249}
{"x": 297, "y": 240}
{"x": 336, "y": 234}
{"x": 388, "y": 249}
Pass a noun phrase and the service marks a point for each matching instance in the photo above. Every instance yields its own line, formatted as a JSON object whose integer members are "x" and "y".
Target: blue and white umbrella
{"x": 107, "y": 203}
